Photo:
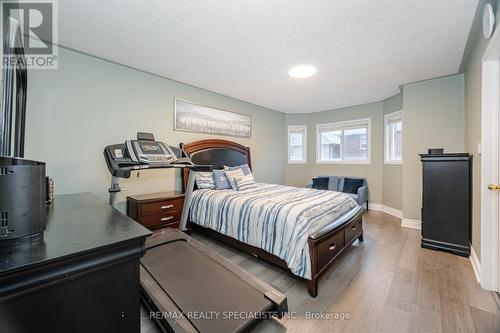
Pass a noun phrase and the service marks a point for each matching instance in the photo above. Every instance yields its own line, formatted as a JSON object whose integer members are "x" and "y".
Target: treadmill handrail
{"x": 123, "y": 169}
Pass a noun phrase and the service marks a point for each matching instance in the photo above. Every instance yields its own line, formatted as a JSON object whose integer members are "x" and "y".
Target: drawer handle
{"x": 353, "y": 227}
{"x": 332, "y": 247}
{"x": 168, "y": 218}
{"x": 167, "y": 206}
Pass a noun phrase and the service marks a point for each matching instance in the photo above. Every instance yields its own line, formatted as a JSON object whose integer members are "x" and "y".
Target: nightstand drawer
{"x": 162, "y": 207}
{"x": 154, "y": 221}
{"x": 156, "y": 210}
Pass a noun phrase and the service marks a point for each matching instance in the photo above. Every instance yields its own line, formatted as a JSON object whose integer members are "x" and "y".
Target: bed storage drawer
{"x": 329, "y": 248}
{"x": 352, "y": 230}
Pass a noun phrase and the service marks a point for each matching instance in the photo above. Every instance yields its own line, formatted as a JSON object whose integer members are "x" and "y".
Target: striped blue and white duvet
{"x": 275, "y": 218}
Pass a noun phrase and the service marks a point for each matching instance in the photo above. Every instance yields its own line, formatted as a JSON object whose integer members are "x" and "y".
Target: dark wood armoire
{"x": 446, "y": 202}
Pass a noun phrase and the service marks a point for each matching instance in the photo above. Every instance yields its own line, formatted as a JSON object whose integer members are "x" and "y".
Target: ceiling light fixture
{"x": 302, "y": 71}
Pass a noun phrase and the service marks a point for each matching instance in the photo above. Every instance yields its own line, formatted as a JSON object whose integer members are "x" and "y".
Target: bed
{"x": 301, "y": 230}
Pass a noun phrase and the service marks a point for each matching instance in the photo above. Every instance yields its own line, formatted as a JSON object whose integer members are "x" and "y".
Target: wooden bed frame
{"x": 323, "y": 249}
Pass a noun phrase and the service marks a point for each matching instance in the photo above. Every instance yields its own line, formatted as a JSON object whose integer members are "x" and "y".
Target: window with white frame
{"x": 297, "y": 144}
{"x": 344, "y": 142}
{"x": 394, "y": 137}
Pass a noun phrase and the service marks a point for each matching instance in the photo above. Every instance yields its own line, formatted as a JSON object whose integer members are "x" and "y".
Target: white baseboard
{"x": 412, "y": 224}
{"x": 386, "y": 209}
{"x": 476, "y": 265}
{"x": 392, "y": 211}
{"x": 375, "y": 206}
{"x": 405, "y": 223}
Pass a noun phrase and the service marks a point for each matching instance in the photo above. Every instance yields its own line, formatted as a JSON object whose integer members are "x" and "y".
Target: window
{"x": 345, "y": 142}
{"x": 394, "y": 138}
{"x": 297, "y": 144}
{"x": 362, "y": 143}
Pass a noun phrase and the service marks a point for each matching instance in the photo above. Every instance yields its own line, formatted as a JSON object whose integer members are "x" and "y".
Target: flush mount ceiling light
{"x": 302, "y": 71}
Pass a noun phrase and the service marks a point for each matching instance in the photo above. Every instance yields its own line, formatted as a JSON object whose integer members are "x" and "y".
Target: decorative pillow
{"x": 232, "y": 174}
{"x": 220, "y": 180}
{"x": 321, "y": 183}
{"x": 351, "y": 185}
{"x": 245, "y": 168}
{"x": 205, "y": 180}
{"x": 245, "y": 183}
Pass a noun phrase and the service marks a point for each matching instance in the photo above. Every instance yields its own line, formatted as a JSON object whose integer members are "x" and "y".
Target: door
{"x": 488, "y": 265}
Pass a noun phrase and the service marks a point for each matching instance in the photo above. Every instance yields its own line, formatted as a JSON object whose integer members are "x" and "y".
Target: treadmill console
{"x": 142, "y": 153}
{"x": 150, "y": 152}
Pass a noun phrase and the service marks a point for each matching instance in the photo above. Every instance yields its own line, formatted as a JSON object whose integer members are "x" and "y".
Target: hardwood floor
{"x": 385, "y": 284}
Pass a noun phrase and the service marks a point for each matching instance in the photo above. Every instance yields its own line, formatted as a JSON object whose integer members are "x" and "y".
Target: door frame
{"x": 490, "y": 166}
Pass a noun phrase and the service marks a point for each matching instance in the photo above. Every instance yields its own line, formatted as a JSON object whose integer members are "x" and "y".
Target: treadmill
{"x": 188, "y": 286}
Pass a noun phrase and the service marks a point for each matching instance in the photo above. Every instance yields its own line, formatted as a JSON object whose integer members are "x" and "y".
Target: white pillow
{"x": 231, "y": 175}
{"x": 244, "y": 167}
{"x": 246, "y": 183}
{"x": 205, "y": 180}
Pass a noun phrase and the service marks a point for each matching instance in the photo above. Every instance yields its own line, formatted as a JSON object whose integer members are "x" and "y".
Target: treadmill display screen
{"x": 151, "y": 148}
{"x": 150, "y": 152}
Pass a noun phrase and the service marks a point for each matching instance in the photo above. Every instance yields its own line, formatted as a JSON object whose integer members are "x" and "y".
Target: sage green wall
{"x": 392, "y": 180}
{"x": 433, "y": 118}
{"x": 472, "y": 68}
{"x": 73, "y": 112}
{"x": 300, "y": 174}
{"x": 88, "y": 103}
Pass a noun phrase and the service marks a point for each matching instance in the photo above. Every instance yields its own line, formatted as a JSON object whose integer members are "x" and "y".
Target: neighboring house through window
{"x": 346, "y": 142}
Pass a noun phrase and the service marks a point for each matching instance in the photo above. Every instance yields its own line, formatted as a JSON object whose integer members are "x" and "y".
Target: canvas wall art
{"x": 193, "y": 117}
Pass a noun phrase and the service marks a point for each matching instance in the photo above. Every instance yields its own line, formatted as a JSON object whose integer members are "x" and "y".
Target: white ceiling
{"x": 363, "y": 49}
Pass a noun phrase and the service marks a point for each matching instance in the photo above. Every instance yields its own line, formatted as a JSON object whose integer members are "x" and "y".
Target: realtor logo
{"x": 37, "y": 24}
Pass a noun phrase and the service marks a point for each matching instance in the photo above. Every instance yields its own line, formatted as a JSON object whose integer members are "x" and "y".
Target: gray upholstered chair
{"x": 342, "y": 184}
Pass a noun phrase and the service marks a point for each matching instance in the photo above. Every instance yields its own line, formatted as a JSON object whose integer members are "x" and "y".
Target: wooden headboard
{"x": 217, "y": 153}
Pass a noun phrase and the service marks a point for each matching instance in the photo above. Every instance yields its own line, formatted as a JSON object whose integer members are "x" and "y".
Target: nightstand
{"x": 156, "y": 210}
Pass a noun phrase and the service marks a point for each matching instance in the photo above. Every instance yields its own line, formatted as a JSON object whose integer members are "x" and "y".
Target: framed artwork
{"x": 194, "y": 117}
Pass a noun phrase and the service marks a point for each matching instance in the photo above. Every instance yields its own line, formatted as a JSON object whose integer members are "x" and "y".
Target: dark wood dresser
{"x": 446, "y": 202}
{"x": 156, "y": 210}
{"x": 82, "y": 277}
